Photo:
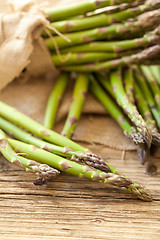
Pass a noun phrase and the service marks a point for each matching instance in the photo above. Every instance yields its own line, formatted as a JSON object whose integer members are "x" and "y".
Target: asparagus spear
{"x": 148, "y": 96}
{"x": 128, "y": 107}
{"x": 60, "y": 13}
{"x": 143, "y": 107}
{"x": 36, "y": 128}
{"x": 82, "y": 171}
{"x": 87, "y": 158}
{"x": 81, "y": 58}
{"x": 145, "y": 112}
{"x": 153, "y": 85}
{"x": 44, "y": 172}
{"x": 110, "y": 9}
{"x": 116, "y": 46}
{"x": 79, "y": 93}
{"x": 128, "y": 84}
{"x": 54, "y": 100}
{"x": 115, "y": 112}
{"x": 139, "y": 57}
{"x": 104, "y": 80}
{"x": 155, "y": 69}
{"x": 145, "y": 22}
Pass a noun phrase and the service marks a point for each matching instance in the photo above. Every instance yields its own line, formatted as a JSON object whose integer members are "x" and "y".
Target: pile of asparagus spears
{"x": 106, "y": 39}
{"x": 114, "y": 46}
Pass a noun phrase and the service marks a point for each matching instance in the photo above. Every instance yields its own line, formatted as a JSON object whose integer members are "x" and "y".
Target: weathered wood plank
{"x": 70, "y": 208}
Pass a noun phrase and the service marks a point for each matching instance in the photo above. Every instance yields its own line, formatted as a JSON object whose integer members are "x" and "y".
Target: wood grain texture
{"x": 70, "y": 208}
{"x": 74, "y": 209}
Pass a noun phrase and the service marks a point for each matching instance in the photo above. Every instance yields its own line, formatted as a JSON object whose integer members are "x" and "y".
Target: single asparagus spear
{"x": 82, "y": 171}
{"x": 111, "y": 9}
{"x": 145, "y": 22}
{"x": 137, "y": 58}
{"x": 116, "y": 46}
{"x": 105, "y": 82}
{"x": 79, "y": 93}
{"x": 152, "y": 83}
{"x": 128, "y": 107}
{"x": 81, "y": 58}
{"x": 54, "y": 100}
{"x": 44, "y": 172}
{"x": 128, "y": 84}
{"x": 147, "y": 94}
{"x": 87, "y": 158}
{"x": 101, "y": 20}
{"x": 60, "y": 13}
{"x": 143, "y": 107}
{"x": 155, "y": 69}
{"x": 115, "y": 112}
{"x": 36, "y": 128}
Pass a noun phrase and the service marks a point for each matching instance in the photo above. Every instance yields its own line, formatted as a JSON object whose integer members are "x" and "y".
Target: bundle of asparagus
{"x": 98, "y": 41}
{"x": 59, "y": 156}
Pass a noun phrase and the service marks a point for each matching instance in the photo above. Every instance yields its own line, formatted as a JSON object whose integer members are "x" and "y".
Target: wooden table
{"x": 70, "y": 208}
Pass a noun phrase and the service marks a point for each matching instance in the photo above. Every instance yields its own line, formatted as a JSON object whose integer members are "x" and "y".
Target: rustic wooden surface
{"x": 70, "y": 208}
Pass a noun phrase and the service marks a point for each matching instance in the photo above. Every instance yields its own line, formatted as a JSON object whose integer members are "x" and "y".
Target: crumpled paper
{"x": 21, "y": 45}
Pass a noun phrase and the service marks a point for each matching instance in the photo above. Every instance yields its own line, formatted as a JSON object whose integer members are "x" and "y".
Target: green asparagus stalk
{"x": 81, "y": 58}
{"x": 153, "y": 85}
{"x": 128, "y": 107}
{"x": 36, "y": 128}
{"x": 105, "y": 82}
{"x": 137, "y": 58}
{"x": 128, "y": 84}
{"x": 145, "y": 22}
{"x": 109, "y": 10}
{"x": 101, "y": 20}
{"x": 87, "y": 158}
{"x": 143, "y": 107}
{"x": 60, "y": 13}
{"x": 54, "y": 100}
{"x": 44, "y": 172}
{"x": 115, "y": 112}
{"x": 146, "y": 114}
{"x": 148, "y": 96}
{"x": 82, "y": 171}
{"x": 79, "y": 93}
{"x": 155, "y": 69}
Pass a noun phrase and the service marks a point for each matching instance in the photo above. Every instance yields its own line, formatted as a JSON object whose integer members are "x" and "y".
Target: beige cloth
{"x": 21, "y": 46}
{"x": 95, "y": 126}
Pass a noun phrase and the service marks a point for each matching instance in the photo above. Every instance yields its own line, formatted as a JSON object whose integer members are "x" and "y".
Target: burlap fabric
{"x": 30, "y": 95}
